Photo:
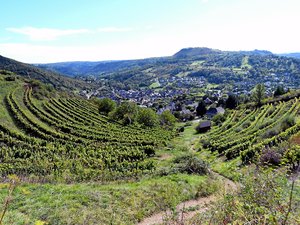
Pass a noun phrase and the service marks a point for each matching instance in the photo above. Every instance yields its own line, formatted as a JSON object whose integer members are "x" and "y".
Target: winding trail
{"x": 186, "y": 210}
{"x": 199, "y": 205}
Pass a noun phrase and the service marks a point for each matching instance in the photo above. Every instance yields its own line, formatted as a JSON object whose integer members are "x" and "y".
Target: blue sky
{"x": 92, "y": 30}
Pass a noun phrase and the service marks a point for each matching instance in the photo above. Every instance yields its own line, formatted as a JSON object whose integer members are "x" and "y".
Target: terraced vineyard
{"x": 67, "y": 139}
{"x": 247, "y": 132}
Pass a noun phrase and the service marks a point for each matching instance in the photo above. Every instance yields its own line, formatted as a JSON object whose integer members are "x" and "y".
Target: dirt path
{"x": 188, "y": 209}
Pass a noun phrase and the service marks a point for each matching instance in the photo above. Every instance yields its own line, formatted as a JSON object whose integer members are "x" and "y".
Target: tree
{"x": 231, "y": 102}
{"x": 219, "y": 119}
{"x": 201, "y": 108}
{"x": 279, "y": 91}
{"x": 126, "y": 112}
{"x": 147, "y": 117}
{"x": 258, "y": 93}
{"x": 106, "y": 105}
{"x": 167, "y": 119}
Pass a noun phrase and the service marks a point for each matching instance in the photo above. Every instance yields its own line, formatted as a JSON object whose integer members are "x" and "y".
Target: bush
{"x": 288, "y": 122}
{"x": 10, "y": 78}
{"x": 106, "y": 105}
{"x": 264, "y": 198}
{"x": 246, "y": 124}
{"x": 167, "y": 120}
{"x": 180, "y": 129}
{"x": 147, "y": 117}
{"x": 270, "y": 156}
{"x": 190, "y": 164}
{"x": 271, "y": 132}
{"x": 126, "y": 113}
{"x": 218, "y": 119}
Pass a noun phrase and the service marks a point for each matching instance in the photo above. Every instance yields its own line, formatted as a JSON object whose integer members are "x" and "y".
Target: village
{"x": 181, "y": 95}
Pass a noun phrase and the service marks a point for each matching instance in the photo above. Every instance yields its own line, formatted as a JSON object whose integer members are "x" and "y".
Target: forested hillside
{"x": 214, "y": 65}
{"x": 31, "y": 72}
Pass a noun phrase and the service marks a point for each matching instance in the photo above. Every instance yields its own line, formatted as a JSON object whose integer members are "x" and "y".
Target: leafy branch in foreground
{"x": 14, "y": 180}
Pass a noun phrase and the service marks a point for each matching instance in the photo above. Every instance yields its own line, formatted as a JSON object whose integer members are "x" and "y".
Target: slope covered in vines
{"x": 66, "y": 138}
{"x": 251, "y": 133}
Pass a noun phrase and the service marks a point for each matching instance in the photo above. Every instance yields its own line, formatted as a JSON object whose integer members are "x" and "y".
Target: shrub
{"x": 271, "y": 132}
{"x": 106, "y": 105}
{"x": 287, "y": 122}
{"x": 147, "y": 117}
{"x": 190, "y": 164}
{"x": 167, "y": 120}
{"x": 218, "y": 119}
{"x": 246, "y": 124}
{"x": 180, "y": 129}
{"x": 10, "y": 78}
{"x": 205, "y": 143}
{"x": 270, "y": 156}
{"x": 265, "y": 197}
{"x": 126, "y": 113}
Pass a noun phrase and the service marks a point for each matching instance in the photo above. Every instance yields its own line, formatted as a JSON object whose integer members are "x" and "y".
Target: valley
{"x": 95, "y": 161}
{"x": 150, "y": 112}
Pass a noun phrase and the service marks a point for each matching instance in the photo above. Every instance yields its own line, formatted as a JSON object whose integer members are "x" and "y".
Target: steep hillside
{"x": 258, "y": 134}
{"x": 66, "y": 138}
{"x": 32, "y": 72}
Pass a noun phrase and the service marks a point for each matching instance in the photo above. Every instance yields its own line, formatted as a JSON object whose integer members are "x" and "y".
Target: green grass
{"x": 211, "y": 86}
{"x": 124, "y": 203}
{"x": 155, "y": 85}
{"x": 245, "y": 62}
{"x": 182, "y": 74}
{"x": 180, "y": 145}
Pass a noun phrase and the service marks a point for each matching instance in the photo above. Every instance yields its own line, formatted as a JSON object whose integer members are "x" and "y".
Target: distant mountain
{"x": 214, "y": 65}
{"x": 83, "y": 68}
{"x": 33, "y": 72}
{"x": 293, "y": 55}
{"x": 195, "y": 52}
{"x": 256, "y": 52}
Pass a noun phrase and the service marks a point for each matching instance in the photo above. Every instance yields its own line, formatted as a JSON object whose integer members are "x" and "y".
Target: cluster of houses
{"x": 270, "y": 81}
{"x": 182, "y": 82}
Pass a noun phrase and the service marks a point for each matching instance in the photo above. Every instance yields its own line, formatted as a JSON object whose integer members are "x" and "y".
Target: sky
{"x": 45, "y": 31}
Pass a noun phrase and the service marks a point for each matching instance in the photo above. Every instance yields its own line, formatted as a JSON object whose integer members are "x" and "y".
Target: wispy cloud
{"x": 49, "y": 34}
{"x": 46, "y": 34}
{"x": 113, "y": 29}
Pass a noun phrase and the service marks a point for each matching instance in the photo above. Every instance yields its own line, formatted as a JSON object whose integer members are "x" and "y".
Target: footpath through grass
{"x": 126, "y": 203}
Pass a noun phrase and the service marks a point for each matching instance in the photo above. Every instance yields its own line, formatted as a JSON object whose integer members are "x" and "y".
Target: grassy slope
{"x": 125, "y": 203}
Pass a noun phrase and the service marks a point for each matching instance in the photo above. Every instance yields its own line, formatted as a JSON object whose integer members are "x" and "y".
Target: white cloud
{"x": 113, "y": 29}
{"x": 32, "y": 53}
{"x": 46, "y": 34}
{"x": 49, "y": 34}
